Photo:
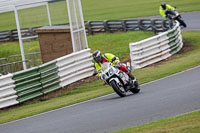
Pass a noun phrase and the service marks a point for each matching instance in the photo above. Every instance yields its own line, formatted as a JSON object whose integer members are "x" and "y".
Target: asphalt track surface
{"x": 170, "y": 96}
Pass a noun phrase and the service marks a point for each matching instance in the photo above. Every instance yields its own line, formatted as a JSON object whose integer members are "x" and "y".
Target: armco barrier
{"x": 8, "y": 101}
{"x": 49, "y": 77}
{"x": 157, "y": 48}
{"x": 175, "y": 40}
{"x": 28, "y": 85}
{"x": 37, "y": 81}
{"x": 74, "y": 67}
{"x": 155, "y": 25}
{"x": 7, "y": 93}
{"x": 6, "y": 86}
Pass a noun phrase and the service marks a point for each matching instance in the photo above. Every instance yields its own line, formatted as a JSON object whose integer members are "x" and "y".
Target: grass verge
{"x": 187, "y": 123}
{"x": 13, "y": 48}
{"x": 87, "y": 91}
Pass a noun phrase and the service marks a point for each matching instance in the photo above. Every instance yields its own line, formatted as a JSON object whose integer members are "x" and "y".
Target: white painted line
{"x": 171, "y": 75}
{"x": 166, "y": 118}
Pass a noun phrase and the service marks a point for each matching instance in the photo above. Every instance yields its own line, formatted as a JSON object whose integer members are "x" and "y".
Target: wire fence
{"x": 13, "y": 67}
{"x": 14, "y": 63}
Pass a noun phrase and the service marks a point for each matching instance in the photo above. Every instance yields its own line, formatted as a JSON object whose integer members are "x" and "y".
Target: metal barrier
{"x": 5, "y": 36}
{"x": 7, "y": 93}
{"x": 155, "y": 25}
{"x": 28, "y": 85}
{"x": 37, "y": 81}
{"x": 3, "y": 61}
{"x": 12, "y": 35}
{"x": 74, "y": 67}
{"x": 155, "y": 49}
{"x": 6, "y": 86}
{"x": 49, "y": 77}
{"x": 175, "y": 40}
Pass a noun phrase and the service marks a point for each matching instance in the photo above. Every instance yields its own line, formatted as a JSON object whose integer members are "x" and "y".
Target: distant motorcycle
{"x": 118, "y": 80}
{"x": 174, "y": 15}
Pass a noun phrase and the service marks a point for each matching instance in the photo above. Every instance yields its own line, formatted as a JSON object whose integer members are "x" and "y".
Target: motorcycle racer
{"x": 100, "y": 58}
{"x": 164, "y": 9}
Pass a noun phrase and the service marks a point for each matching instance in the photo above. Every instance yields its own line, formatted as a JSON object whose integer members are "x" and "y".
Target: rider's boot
{"x": 132, "y": 81}
{"x": 131, "y": 76}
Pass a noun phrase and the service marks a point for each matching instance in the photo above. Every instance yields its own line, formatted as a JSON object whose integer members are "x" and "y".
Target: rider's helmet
{"x": 97, "y": 56}
{"x": 163, "y": 5}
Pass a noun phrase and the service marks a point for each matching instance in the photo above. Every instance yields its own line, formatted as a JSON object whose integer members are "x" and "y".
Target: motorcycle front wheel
{"x": 181, "y": 22}
{"x": 136, "y": 88}
{"x": 117, "y": 89}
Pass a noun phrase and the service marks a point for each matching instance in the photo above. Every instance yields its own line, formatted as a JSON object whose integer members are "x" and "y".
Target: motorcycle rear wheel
{"x": 117, "y": 89}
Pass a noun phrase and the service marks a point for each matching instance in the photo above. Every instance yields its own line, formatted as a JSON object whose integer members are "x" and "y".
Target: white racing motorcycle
{"x": 118, "y": 80}
{"x": 174, "y": 15}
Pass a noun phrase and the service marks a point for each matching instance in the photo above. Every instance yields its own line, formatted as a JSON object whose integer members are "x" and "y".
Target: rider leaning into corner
{"x": 164, "y": 9}
{"x": 100, "y": 58}
{"x": 170, "y": 12}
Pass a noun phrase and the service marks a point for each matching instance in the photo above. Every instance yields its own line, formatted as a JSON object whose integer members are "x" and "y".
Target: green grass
{"x": 96, "y": 88}
{"x": 13, "y": 48}
{"x": 36, "y": 16}
{"x": 10, "y": 52}
{"x": 122, "y": 9}
{"x": 188, "y": 123}
{"x": 117, "y": 43}
{"x": 106, "y": 10}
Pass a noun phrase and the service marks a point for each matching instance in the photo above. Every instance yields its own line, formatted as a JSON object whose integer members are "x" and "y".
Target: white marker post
{"x": 20, "y": 39}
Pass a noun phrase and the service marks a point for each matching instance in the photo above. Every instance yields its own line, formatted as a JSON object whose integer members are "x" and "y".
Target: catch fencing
{"x": 157, "y": 48}
{"x": 38, "y": 81}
